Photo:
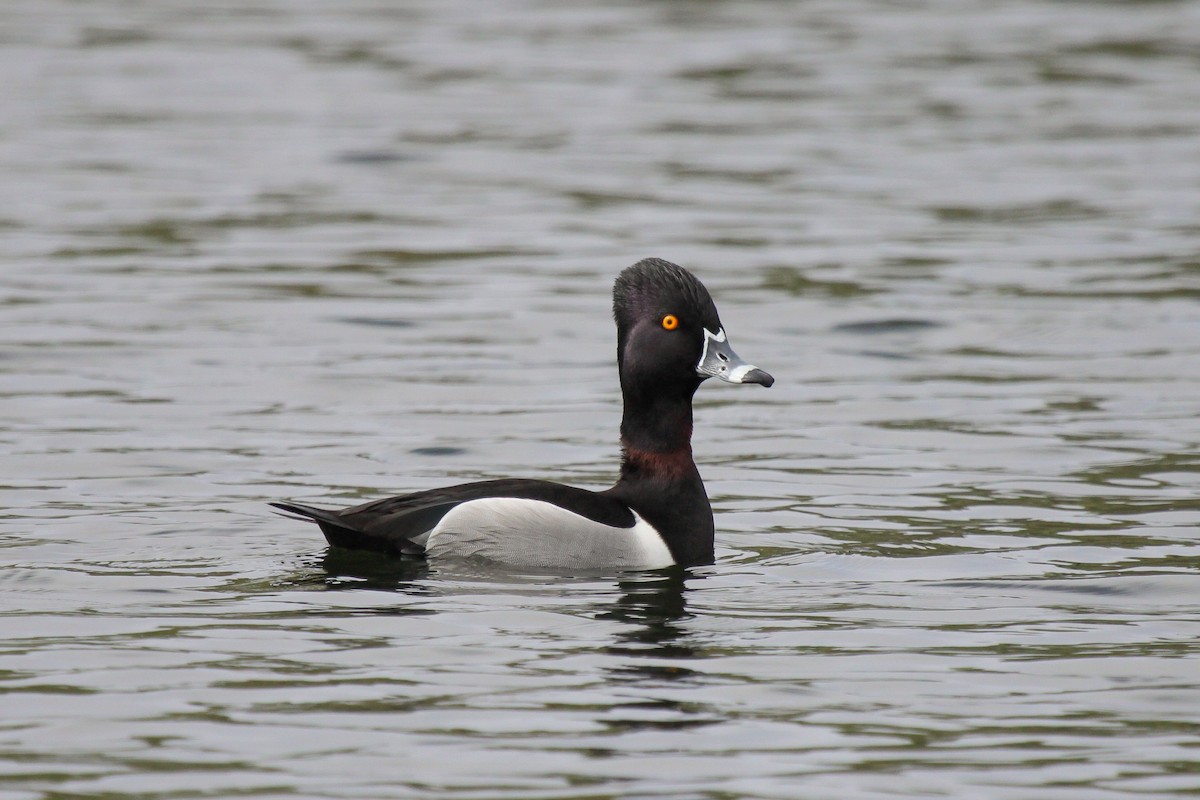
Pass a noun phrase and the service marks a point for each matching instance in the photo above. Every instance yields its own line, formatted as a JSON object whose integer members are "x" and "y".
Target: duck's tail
{"x": 297, "y": 511}
{"x": 336, "y": 531}
{"x": 341, "y": 532}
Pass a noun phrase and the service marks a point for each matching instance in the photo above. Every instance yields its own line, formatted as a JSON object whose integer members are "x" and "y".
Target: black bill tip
{"x": 758, "y": 376}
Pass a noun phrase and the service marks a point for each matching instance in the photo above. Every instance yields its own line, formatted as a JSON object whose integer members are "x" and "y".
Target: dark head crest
{"x": 653, "y": 286}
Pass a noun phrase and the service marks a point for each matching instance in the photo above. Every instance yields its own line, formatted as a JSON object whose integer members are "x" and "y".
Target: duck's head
{"x": 669, "y": 334}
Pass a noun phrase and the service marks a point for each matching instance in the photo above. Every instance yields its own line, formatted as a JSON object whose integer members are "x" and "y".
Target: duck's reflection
{"x": 359, "y": 569}
{"x": 654, "y": 604}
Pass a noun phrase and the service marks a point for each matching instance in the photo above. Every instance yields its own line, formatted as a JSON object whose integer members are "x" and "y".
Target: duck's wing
{"x": 401, "y": 525}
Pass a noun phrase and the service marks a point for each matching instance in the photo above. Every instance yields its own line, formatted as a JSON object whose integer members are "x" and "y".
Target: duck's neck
{"x": 660, "y": 427}
{"x": 659, "y": 479}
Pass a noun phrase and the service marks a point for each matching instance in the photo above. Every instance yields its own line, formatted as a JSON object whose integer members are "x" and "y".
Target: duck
{"x": 669, "y": 341}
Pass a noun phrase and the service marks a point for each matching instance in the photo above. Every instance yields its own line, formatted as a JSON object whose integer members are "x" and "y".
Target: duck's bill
{"x": 719, "y": 361}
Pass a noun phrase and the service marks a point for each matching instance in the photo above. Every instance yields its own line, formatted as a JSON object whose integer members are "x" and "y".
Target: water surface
{"x": 331, "y": 251}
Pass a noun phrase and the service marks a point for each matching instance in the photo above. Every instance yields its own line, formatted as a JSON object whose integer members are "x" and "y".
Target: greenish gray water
{"x": 332, "y": 251}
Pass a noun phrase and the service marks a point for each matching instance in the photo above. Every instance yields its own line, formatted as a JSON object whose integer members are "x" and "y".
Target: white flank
{"x": 534, "y": 533}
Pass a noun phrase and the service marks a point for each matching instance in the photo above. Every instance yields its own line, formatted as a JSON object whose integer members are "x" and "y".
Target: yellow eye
{"x": 670, "y": 322}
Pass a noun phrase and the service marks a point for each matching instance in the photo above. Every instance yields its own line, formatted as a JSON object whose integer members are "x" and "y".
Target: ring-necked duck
{"x": 669, "y": 340}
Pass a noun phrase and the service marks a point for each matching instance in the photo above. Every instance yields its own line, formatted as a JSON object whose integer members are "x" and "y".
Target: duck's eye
{"x": 670, "y": 322}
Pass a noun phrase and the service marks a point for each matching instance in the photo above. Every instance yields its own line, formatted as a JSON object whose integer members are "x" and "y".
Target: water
{"x": 332, "y": 251}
